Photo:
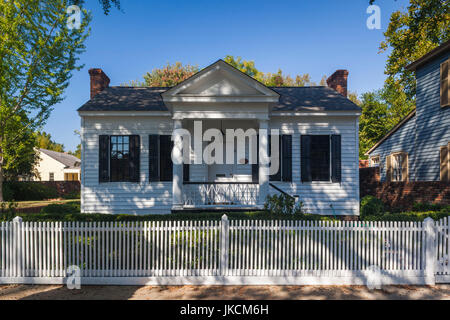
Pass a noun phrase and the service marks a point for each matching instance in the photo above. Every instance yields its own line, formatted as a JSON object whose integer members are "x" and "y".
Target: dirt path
{"x": 57, "y": 292}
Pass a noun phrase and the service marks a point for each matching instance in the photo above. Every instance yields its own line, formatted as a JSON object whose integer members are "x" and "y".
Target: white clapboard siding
{"x": 225, "y": 252}
{"x": 156, "y": 197}
{"x": 318, "y": 196}
{"x": 131, "y": 198}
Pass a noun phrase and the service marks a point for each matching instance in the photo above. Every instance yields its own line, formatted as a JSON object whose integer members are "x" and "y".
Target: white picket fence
{"x": 443, "y": 250}
{"x": 225, "y": 252}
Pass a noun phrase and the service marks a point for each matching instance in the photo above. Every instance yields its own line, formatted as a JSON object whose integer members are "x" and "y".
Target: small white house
{"x": 57, "y": 166}
{"x": 128, "y": 165}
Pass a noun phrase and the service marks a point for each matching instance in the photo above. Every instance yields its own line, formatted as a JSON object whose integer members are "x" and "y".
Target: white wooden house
{"x": 126, "y": 145}
{"x": 57, "y": 166}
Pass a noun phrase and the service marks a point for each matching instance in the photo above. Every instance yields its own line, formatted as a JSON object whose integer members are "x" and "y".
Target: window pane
{"x": 320, "y": 158}
{"x": 119, "y": 163}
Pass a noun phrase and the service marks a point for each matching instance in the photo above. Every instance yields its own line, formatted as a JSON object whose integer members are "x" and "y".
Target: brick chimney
{"x": 99, "y": 81}
{"x": 338, "y": 82}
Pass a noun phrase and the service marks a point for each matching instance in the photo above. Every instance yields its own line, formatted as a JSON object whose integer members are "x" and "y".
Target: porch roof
{"x": 292, "y": 99}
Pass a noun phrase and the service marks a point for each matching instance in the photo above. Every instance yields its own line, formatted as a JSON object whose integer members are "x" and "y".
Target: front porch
{"x": 218, "y": 186}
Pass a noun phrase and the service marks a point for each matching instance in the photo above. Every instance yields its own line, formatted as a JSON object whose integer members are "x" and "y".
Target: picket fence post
{"x": 225, "y": 227}
{"x": 17, "y": 247}
{"x": 430, "y": 253}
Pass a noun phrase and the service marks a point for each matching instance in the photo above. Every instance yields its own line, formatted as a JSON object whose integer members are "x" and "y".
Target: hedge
{"x": 28, "y": 191}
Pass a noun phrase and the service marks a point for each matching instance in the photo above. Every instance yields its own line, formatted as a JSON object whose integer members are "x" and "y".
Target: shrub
{"x": 30, "y": 191}
{"x": 371, "y": 206}
{"x": 283, "y": 205}
{"x": 8, "y": 193}
{"x": 422, "y": 206}
{"x": 7, "y": 211}
{"x": 72, "y": 195}
{"x": 62, "y": 208}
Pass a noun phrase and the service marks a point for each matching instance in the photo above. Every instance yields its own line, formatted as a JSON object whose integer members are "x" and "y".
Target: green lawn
{"x": 33, "y": 204}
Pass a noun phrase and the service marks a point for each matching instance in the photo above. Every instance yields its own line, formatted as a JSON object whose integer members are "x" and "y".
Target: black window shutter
{"x": 165, "y": 160}
{"x": 305, "y": 158}
{"x": 135, "y": 158}
{"x": 276, "y": 176}
{"x": 336, "y": 158}
{"x": 255, "y": 167}
{"x": 286, "y": 147}
{"x": 153, "y": 157}
{"x": 103, "y": 158}
{"x": 185, "y": 172}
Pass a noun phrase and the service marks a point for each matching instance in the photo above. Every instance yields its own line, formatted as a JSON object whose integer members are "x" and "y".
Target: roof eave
{"x": 429, "y": 56}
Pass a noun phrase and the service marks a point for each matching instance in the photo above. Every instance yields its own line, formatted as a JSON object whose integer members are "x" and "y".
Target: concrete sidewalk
{"x": 57, "y": 292}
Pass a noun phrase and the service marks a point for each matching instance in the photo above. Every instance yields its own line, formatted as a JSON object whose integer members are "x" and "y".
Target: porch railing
{"x": 219, "y": 194}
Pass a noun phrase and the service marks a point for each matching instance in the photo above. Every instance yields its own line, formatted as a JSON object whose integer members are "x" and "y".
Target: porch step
{"x": 218, "y": 209}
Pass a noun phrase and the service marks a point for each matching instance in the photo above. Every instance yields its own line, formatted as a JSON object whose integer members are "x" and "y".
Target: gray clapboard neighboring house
{"x": 417, "y": 149}
{"x": 126, "y": 145}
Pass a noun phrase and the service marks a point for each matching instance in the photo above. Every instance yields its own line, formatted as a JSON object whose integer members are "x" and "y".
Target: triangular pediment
{"x": 220, "y": 81}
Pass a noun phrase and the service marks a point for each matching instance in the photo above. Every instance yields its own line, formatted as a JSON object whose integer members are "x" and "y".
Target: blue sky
{"x": 298, "y": 36}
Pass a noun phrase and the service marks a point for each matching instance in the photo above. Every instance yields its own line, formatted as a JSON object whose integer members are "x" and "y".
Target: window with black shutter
{"x": 103, "y": 172}
{"x": 153, "y": 157}
{"x": 277, "y": 175}
{"x": 135, "y": 156}
{"x": 320, "y": 158}
{"x": 165, "y": 158}
{"x": 119, "y": 159}
{"x": 255, "y": 167}
{"x": 284, "y": 172}
{"x": 286, "y": 157}
{"x": 305, "y": 158}
{"x": 336, "y": 158}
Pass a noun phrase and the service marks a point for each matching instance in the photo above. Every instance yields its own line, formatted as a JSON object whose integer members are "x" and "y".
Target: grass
{"x": 33, "y": 204}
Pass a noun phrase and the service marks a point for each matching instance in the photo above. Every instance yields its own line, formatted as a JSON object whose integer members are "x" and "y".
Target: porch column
{"x": 263, "y": 161}
{"x": 177, "y": 184}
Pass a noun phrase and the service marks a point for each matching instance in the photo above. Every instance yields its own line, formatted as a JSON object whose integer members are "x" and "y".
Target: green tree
{"x": 374, "y": 122}
{"x": 20, "y": 157}
{"x": 247, "y": 67}
{"x": 169, "y": 76}
{"x": 77, "y": 152}
{"x": 38, "y": 53}
{"x": 422, "y": 27}
{"x": 44, "y": 141}
{"x": 271, "y": 79}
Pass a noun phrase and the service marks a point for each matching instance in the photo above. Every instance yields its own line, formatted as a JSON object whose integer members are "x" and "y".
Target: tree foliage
{"x": 38, "y": 53}
{"x": 380, "y": 113}
{"x": 106, "y": 4}
{"x": 168, "y": 76}
{"x": 77, "y": 152}
{"x": 422, "y": 27}
{"x": 19, "y": 157}
{"x": 272, "y": 79}
{"x": 44, "y": 141}
{"x": 171, "y": 75}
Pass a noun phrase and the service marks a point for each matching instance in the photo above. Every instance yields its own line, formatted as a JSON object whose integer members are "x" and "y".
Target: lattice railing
{"x": 220, "y": 194}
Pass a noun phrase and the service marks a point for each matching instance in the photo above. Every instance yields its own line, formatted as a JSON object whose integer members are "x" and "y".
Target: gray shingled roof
{"x": 304, "y": 99}
{"x": 66, "y": 159}
{"x": 127, "y": 99}
{"x": 298, "y": 99}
